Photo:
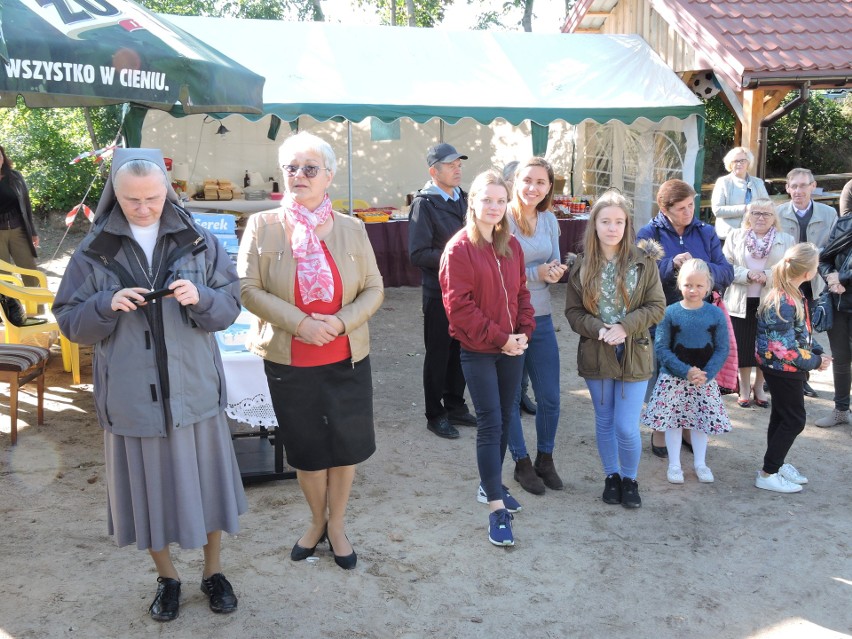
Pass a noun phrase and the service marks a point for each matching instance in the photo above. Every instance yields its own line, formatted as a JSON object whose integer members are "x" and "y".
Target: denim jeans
{"x": 493, "y": 381}
{"x": 541, "y": 360}
{"x": 618, "y": 406}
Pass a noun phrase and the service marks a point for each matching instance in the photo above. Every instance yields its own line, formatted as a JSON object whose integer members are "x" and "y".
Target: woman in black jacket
{"x": 18, "y": 236}
{"x": 835, "y": 266}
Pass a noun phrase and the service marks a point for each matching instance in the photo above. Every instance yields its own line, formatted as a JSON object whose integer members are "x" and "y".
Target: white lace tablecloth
{"x": 248, "y": 394}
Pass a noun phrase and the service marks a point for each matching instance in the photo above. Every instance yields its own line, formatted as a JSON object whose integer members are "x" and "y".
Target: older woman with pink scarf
{"x": 753, "y": 249}
{"x": 309, "y": 276}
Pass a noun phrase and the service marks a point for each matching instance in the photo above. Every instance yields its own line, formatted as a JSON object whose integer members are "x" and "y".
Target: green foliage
{"x": 825, "y": 145}
{"x": 182, "y": 7}
{"x": 42, "y": 142}
{"x": 427, "y": 13}
{"x": 826, "y": 139}
{"x": 718, "y": 137}
{"x": 257, "y": 9}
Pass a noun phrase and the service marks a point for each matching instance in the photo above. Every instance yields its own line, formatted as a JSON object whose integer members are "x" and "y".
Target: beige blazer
{"x": 735, "y": 252}
{"x": 267, "y": 271}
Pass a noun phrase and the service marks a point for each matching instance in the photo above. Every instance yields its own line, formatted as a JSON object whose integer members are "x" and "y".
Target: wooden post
{"x": 753, "y": 111}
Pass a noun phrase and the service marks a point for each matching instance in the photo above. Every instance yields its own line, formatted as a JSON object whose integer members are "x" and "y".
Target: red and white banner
{"x": 72, "y": 214}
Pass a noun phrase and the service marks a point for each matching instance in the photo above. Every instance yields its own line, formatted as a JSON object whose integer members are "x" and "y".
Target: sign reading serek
{"x": 108, "y": 51}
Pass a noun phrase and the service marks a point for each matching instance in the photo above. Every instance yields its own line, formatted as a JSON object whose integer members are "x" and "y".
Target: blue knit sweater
{"x": 692, "y": 337}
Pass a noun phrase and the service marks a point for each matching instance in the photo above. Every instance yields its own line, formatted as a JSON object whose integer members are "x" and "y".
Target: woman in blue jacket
{"x": 683, "y": 238}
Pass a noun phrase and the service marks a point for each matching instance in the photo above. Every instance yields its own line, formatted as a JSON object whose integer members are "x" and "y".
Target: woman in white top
{"x": 733, "y": 192}
{"x": 753, "y": 249}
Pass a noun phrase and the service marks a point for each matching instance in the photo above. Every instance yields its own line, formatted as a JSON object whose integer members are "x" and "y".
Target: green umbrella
{"x": 74, "y": 53}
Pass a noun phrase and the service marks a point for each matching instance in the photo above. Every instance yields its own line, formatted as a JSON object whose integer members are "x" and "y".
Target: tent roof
{"x": 327, "y": 70}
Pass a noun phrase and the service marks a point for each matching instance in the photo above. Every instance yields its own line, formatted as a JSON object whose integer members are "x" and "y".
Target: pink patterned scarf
{"x": 312, "y": 268}
{"x": 759, "y": 248}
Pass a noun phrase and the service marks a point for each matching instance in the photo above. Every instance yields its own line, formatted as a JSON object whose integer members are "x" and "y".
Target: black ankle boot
{"x": 526, "y": 476}
{"x": 545, "y": 469}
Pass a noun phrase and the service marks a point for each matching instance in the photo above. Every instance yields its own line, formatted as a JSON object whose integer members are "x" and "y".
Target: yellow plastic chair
{"x": 15, "y": 334}
{"x": 8, "y": 270}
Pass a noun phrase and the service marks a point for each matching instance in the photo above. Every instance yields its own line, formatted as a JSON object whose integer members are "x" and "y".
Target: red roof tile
{"x": 760, "y": 41}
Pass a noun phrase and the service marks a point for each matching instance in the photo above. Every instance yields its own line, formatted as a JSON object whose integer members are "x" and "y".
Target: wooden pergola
{"x": 758, "y": 52}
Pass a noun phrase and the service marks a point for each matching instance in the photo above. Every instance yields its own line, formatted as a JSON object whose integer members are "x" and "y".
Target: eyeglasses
{"x": 761, "y": 214}
{"x": 743, "y": 161}
{"x": 309, "y": 170}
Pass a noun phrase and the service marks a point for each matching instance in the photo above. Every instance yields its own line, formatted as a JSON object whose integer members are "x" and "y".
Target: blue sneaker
{"x": 500, "y": 528}
{"x": 509, "y": 502}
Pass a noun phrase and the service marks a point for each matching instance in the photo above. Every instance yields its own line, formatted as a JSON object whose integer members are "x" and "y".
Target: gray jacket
{"x": 819, "y": 227}
{"x": 159, "y": 366}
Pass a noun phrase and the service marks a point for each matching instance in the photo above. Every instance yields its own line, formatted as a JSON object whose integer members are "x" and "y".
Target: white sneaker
{"x": 789, "y": 472}
{"x": 834, "y": 418}
{"x": 705, "y": 475}
{"x": 675, "y": 475}
{"x": 776, "y": 483}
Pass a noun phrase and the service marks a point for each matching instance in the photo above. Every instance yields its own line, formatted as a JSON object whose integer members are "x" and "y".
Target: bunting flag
{"x": 97, "y": 155}
{"x": 72, "y": 214}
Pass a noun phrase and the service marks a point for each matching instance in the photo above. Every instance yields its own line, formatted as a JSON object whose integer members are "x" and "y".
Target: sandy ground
{"x": 697, "y": 560}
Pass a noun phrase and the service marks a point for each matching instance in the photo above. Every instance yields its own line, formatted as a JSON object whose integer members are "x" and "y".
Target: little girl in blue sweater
{"x": 691, "y": 344}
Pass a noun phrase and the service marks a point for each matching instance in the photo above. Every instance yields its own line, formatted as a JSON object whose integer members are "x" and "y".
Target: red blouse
{"x": 305, "y": 355}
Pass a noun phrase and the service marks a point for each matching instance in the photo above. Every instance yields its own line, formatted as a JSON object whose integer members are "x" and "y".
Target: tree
{"x": 818, "y": 137}
{"x": 491, "y": 18}
{"x": 42, "y": 142}
{"x": 257, "y": 9}
{"x": 421, "y": 13}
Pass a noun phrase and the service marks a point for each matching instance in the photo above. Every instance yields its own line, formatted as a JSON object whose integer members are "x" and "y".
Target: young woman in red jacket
{"x": 484, "y": 291}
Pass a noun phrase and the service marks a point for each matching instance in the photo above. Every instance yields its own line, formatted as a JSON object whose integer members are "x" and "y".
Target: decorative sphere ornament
{"x": 704, "y": 85}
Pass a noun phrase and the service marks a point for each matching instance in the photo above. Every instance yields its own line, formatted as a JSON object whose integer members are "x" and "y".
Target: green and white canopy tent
{"x": 76, "y": 54}
{"x": 605, "y": 109}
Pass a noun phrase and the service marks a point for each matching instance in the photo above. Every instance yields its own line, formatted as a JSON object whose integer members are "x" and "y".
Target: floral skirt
{"x": 676, "y": 403}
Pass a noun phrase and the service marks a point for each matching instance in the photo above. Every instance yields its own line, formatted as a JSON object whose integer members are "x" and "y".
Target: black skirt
{"x": 745, "y": 331}
{"x": 324, "y": 413}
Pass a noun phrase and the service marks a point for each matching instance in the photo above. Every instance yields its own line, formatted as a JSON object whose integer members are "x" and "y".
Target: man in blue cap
{"x": 437, "y": 213}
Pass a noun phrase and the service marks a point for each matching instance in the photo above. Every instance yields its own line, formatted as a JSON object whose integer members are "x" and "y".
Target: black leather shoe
{"x": 300, "y": 552}
{"x": 442, "y": 428}
{"x": 527, "y": 404}
{"x": 347, "y": 562}
{"x": 659, "y": 451}
{"x": 809, "y": 392}
{"x": 461, "y": 418}
{"x": 166, "y": 604}
{"x": 222, "y": 597}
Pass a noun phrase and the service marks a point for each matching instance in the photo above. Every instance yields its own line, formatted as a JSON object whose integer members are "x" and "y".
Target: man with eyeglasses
{"x": 437, "y": 213}
{"x": 807, "y": 221}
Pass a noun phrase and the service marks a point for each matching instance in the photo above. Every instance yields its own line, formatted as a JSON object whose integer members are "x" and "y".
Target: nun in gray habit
{"x": 159, "y": 386}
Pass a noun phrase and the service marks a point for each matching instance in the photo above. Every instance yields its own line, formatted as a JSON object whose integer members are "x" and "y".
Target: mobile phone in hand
{"x": 154, "y": 295}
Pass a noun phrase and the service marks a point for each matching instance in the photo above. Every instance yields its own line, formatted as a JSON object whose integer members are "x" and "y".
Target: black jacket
{"x": 19, "y": 186}
{"x": 433, "y": 221}
{"x": 837, "y": 257}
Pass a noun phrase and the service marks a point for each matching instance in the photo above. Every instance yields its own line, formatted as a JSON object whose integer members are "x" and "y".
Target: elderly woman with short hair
{"x": 733, "y": 192}
{"x": 309, "y": 276}
{"x": 159, "y": 385}
{"x": 753, "y": 249}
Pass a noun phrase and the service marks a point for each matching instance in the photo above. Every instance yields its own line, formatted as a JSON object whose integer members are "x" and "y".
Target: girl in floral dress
{"x": 691, "y": 344}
